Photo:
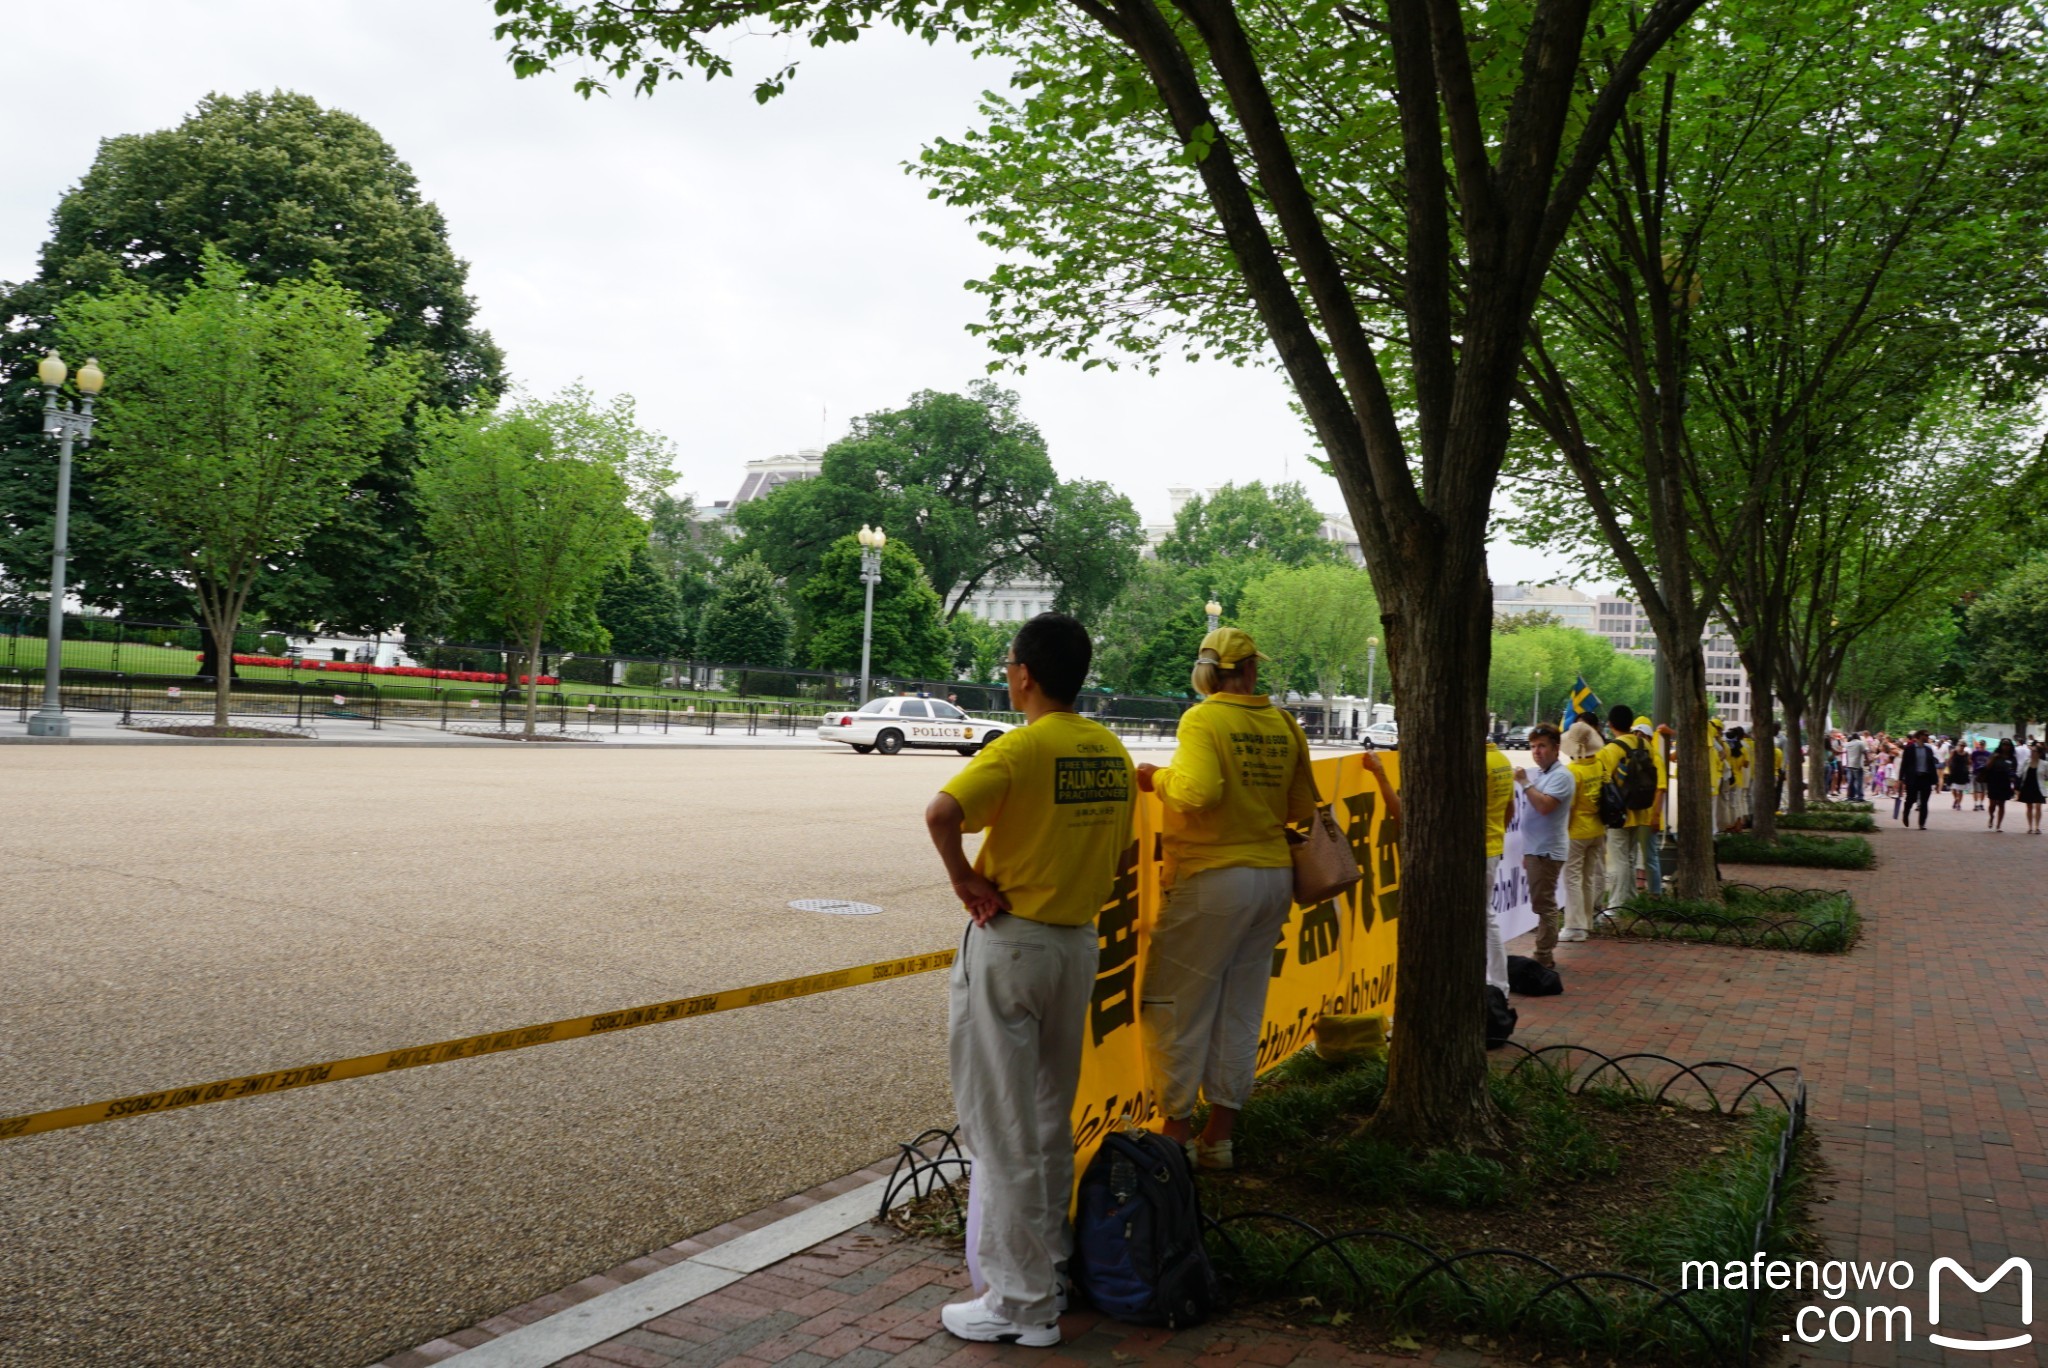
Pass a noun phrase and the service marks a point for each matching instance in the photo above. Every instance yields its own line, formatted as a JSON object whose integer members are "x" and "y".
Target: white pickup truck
{"x": 890, "y": 724}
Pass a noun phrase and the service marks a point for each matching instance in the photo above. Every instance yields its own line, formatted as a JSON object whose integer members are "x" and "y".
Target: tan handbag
{"x": 1323, "y": 863}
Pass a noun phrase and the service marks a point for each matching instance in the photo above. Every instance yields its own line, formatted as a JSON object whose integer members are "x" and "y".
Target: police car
{"x": 890, "y": 724}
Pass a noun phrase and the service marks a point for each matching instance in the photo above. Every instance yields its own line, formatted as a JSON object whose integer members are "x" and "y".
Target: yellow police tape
{"x": 469, "y": 1047}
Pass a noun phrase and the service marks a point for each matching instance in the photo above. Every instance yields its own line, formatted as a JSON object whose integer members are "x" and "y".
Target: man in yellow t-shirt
{"x": 1054, "y": 798}
{"x": 1636, "y": 839}
{"x": 1500, "y": 810}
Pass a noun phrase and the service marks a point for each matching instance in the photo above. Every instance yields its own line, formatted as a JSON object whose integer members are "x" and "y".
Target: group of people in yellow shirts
{"x": 1054, "y": 801}
{"x": 1577, "y": 860}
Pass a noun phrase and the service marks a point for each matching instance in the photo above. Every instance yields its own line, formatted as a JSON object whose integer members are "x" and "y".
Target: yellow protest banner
{"x": 1335, "y": 957}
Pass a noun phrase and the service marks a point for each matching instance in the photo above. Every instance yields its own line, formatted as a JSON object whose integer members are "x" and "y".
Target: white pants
{"x": 1496, "y": 947}
{"x": 1582, "y": 879}
{"x": 1019, "y": 1010}
{"x": 1204, "y": 997}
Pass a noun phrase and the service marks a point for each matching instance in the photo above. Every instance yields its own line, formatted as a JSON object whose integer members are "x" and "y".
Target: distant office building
{"x": 1570, "y": 607}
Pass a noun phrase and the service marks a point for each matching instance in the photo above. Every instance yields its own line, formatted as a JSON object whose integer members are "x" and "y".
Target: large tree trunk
{"x": 1795, "y": 751}
{"x": 1817, "y": 763}
{"x": 1438, "y": 629}
{"x": 1696, "y": 877}
{"x": 532, "y": 681}
{"x": 1763, "y": 782}
{"x": 222, "y": 635}
{"x": 213, "y": 663}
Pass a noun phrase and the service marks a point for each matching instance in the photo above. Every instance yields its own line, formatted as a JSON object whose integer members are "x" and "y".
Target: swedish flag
{"x": 1583, "y": 705}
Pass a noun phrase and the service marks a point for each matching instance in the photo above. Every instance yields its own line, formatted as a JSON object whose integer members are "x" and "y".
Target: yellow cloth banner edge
{"x": 467, "y": 1047}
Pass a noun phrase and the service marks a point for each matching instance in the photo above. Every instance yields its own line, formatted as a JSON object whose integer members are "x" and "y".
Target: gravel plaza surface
{"x": 179, "y": 914}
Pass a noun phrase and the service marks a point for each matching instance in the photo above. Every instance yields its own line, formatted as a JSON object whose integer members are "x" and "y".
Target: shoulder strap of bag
{"x": 1301, "y": 746}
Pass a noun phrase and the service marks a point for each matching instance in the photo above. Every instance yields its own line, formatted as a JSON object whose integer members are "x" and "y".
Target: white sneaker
{"x": 1212, "y": 1157}
{"x": 1571, "y": 933}
{"x": 976, "y": 1320}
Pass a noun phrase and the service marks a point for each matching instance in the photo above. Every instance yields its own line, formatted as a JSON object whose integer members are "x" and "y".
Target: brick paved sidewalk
{"x": 1923, "y": 1050}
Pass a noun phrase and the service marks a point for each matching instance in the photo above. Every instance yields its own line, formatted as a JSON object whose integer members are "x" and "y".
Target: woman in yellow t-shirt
{"x": 1239, "y": 777}
{"x": 1584, "y": 867}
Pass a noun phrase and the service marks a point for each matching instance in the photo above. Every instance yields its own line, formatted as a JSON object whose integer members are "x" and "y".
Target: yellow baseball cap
{"x": 1642, "y": 727}
{"x": 1229, "y": 646}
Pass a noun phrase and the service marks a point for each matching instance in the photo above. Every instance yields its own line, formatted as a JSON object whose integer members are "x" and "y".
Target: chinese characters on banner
{"x": 1335, "y": 957}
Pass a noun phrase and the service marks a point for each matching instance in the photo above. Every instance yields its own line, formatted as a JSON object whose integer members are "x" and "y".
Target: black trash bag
{"x": 1530, "y": 979}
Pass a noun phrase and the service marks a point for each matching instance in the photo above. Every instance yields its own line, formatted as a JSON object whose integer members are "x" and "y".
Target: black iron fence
{"x": 417, "y": 667}
{"x": 451, "y": 684}
{"x": 180, "y": 697}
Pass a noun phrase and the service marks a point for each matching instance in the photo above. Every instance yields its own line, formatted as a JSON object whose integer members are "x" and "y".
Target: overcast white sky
{"x": 755, "y": 276}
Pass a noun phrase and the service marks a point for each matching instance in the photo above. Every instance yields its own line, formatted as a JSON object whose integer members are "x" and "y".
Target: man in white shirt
{"x": 1546, "y": 839}
{"x": 1852, "y": 760}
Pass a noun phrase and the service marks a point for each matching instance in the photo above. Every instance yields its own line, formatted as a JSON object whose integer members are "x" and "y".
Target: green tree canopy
{"x": 1239, "y": 533}
{"x": 1248, "y": 519}
{"x": 530, "y": 507}
{"x": 910, "y": 640}
{"x": 1887, "y": 671}
{"x": 964, "y": 482}
{"x": 280, "y": 186}
{"x": 640, "y": 609}
{"x": 747, "y": 621}
{"x": 1507, "y": 624}
{"x": 2008, "y": 642}
{"x": 1559, "y": 655}
{"x": 235, "y": 420}
{"x": 1145, "y": 641}
{"x": 978, "y": 649}
{"x": 1160, "y": 662}
{"x": 1314, "y": 622}
{"x": 687, "y": 553}
{"x": 1373, "y": 200}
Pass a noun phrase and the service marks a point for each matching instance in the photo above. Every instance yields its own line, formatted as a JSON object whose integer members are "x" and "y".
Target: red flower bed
{"x": 362, "y": 667}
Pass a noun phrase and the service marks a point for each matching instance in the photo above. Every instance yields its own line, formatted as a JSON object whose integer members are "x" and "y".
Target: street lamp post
{"x": 67, "y": 425}
{"x": 872, "y": 540}
{"x": 1372, "y": 698}
{"x": 1215, "y": 612}
{"x": 1536, "y": 699}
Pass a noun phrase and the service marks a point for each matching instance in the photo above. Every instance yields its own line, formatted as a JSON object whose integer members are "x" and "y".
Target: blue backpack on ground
{"x": 1138, "y": 1252}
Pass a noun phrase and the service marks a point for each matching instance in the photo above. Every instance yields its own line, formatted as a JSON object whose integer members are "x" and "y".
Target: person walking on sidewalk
{"x": 2000, "y": 772}
{"x": 1979, "y": 758}
{"x": 1918, "y": 773}
{"x": 1054, "y": 797}
{"x": 1583, "y": 879}
{"x": 2034, "y": 783}
{"x": 1958, "y": 773}
{"x": 1238, "y": 780}
{"x": 1546, "y": 839}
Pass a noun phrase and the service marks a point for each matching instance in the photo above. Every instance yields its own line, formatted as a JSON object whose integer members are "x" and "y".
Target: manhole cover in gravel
{"x": 837, "y": 907}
